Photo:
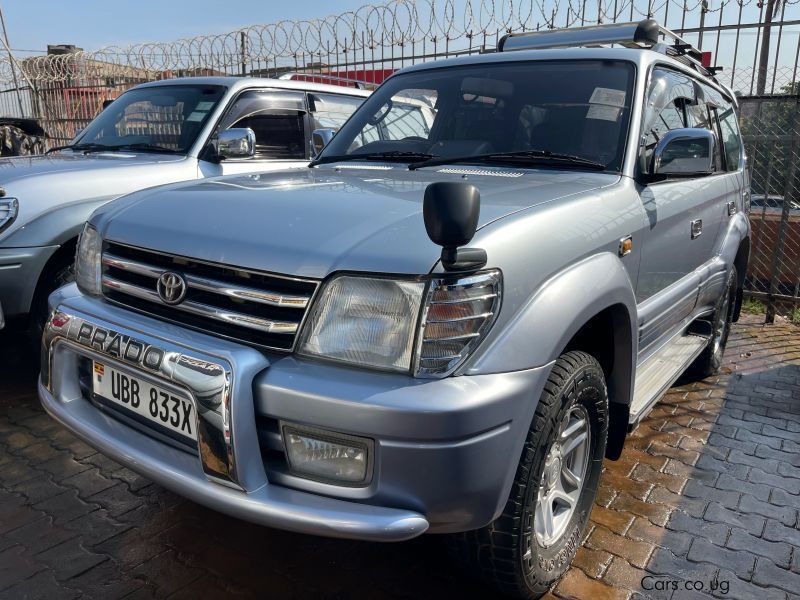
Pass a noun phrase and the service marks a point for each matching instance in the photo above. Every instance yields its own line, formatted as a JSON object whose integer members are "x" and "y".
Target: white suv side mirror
{"x": 688, "y": 151}
{"x": 237, "y": 142}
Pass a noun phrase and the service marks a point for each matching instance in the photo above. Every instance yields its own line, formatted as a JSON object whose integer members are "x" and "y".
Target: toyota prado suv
{"x": 491, "y": 273}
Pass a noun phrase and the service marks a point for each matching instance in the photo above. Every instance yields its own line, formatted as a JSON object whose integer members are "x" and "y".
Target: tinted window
{"x": 170, "y": 116}
{"x": 276, "y": 117}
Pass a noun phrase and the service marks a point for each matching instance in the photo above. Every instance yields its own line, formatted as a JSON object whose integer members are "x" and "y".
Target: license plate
{"x": 152, "y": 402}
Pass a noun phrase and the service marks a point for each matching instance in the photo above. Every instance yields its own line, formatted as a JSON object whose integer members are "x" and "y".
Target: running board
{"x": 655, "y": 375}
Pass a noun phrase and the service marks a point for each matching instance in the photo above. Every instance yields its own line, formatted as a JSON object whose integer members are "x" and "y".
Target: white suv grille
{"x": 257, "y": 308}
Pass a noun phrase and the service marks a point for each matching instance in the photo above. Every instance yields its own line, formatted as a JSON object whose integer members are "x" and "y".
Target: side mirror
{"x": 684, "y": 152}
{"x": 451, "y": 210}
{"x": 320, "y": 138}
{"x": 237, "y": 142}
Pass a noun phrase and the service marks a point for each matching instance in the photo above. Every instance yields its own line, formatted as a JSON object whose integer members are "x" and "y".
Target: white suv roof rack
{"x": 647, "y": 34}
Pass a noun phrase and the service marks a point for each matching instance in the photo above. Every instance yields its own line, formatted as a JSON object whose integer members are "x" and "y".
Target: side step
{"x": 655, "y": 375}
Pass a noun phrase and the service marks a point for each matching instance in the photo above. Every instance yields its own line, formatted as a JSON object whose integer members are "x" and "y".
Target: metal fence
{"x": 756, "y": 42}
{"x": 771, "y": 129}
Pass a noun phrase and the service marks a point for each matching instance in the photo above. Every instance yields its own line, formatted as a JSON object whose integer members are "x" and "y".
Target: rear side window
{"x": 730, "y": 137}
{"x": 277, "y": 118}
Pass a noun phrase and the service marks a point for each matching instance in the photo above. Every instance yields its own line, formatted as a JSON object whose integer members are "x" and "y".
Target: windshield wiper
{"x": 94, "y": 147}
{"x": 527, "y": 156}
{"x": 141, "y": 146}
{"x": 77, "y": 147}
{"x": 389, "y": 156}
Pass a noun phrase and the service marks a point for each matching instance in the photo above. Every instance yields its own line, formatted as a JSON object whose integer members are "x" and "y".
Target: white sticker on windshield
{"x": 204, "y": 106}
{"x": 603, "y": 113}
{"x": 608, "y": 97}
{"x": 196, "y": 116}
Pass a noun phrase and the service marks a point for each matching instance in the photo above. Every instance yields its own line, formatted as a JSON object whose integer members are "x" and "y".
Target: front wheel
{"x": 528, "y": 548}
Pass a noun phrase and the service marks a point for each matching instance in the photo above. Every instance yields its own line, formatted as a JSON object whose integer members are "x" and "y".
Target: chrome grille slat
{"x": 254, "y": 307}
{"x": 265, "y": 325}
{"x": 211, "y": 285}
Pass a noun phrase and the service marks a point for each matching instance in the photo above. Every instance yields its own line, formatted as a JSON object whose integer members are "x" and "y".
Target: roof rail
{"x": 356, "y": 83}
{"x": 642, "y": 34}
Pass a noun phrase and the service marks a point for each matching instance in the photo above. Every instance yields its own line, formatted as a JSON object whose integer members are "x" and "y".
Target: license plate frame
{"x": 175, "y": 412}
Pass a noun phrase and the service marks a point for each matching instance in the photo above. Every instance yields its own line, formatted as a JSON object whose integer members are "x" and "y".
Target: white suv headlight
{"x": 365, "y": 321}
{"x": 87, "y": 261}
{"x": 372, "y": 322}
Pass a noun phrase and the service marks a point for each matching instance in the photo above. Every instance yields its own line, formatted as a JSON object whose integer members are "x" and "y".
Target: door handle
{"x": 697, "y": 228}
{"x": 731, "y": 207}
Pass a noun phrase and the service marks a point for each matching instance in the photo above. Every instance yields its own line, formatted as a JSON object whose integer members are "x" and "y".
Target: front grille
{"x": 257, "y": 308}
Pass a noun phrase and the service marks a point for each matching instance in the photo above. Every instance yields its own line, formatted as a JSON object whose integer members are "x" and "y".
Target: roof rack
{"x": 643, "y": 34}
{"x": 356, "y": 83}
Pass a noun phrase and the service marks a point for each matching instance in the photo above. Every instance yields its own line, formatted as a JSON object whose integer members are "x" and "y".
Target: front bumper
{"x": 445, "y": 451}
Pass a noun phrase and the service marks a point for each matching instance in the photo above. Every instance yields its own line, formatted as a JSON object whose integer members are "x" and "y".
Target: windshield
{"x": 168, "y": 118}
{"x": 576, "y": 108}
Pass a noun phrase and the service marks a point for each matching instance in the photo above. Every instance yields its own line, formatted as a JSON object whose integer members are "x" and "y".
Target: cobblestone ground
{"x": 705, "y": 496}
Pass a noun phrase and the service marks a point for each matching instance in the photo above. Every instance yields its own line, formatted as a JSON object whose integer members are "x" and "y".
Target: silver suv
{"x": 155, "y": 133}
{"x": 490, "y": 275}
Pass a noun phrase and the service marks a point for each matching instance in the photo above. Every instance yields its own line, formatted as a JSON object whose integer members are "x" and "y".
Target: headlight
{"x": 9, "y": 207}
{"x": 365, "y": 321}
{"x": 376, "y": 323}
{"x": 87, "y": 261}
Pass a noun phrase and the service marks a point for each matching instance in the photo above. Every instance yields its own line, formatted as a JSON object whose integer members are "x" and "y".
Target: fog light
{"x": 325, "y": 456}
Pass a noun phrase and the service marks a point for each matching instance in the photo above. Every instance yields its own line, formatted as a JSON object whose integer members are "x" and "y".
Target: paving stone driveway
{"x": 705, "y": 497}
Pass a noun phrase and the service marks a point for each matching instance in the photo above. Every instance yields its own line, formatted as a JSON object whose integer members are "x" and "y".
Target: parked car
{"x": 434, "y": 328}
{"x": 155, "y": 133}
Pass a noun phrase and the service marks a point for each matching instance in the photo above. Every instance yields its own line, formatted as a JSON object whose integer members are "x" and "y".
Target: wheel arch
{"x": 64, "y": 254}
{"x": 594, "y": 305}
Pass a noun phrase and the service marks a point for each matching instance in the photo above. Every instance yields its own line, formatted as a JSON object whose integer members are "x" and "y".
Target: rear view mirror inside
{"x": 481, "y": 86}
{"x": 163, "y": 100}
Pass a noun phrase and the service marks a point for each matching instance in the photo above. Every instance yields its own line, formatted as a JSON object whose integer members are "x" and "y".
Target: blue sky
{"x": 91, "y": 24}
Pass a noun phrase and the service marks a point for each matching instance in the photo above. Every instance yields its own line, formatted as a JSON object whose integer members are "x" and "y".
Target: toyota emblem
{"x": 171, "y": 288}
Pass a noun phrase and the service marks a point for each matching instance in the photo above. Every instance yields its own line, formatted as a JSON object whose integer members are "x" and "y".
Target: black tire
{"x": 710, "y": 360}
{"x": 507, "y": 552}
{"x": 59, "y": 273}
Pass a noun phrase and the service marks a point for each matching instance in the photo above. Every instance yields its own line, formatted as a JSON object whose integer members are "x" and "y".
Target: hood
{"x": 45, "y": 184}
{"x": 15, "y": 168}
{"x": 312, "y": 222}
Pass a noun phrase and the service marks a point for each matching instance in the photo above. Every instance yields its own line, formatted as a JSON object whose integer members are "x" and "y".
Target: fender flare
{"x": 541, "y": 329}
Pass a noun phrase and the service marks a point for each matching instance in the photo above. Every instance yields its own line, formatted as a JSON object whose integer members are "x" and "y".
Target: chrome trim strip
{"x": 446, "y": 358}
{"x": 485, "y": 315}
{"x": 212, "y": 264}
{"x": 208, "y": 383}
{"x": 204, "y": 310}
{"x": 452, "y": 338}
{"x": 211, "y": 285}
{"x": 464, "y": 300}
